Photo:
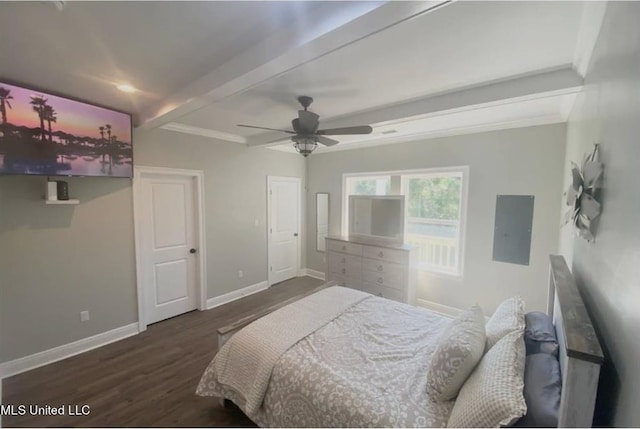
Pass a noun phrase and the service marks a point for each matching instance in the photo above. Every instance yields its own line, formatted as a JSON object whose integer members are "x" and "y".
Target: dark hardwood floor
{"x": 145, "y": 380}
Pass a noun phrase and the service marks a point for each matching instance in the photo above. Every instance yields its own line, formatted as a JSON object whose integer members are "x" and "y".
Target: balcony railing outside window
{"x": 437, "y": 241}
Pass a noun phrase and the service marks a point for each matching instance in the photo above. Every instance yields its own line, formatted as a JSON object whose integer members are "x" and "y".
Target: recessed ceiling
{"x": 465, "y": 43}
{"x": 522, "y": 113}
{"x": 203, "y": 67}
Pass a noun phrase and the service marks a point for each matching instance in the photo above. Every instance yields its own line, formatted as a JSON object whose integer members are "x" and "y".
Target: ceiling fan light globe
{"x": 305, "y": 146}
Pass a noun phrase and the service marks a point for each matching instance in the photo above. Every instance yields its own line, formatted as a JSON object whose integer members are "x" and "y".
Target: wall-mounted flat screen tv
{"x": 46, "y": 134}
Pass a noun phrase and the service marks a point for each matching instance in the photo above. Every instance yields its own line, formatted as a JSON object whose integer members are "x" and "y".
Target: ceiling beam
{"x": 204, "y": 132}
{"x": 530, "y": 86}
{"x": 284, "y": 51}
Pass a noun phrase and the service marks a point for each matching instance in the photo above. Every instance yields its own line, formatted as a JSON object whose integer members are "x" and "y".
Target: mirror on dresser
{"x": 322, "y": 220}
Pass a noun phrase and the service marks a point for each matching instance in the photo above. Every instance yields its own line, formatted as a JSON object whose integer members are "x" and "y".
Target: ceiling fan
{"x": 306, "y": 134}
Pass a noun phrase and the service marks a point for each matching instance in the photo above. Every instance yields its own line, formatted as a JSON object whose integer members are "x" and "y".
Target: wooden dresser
{"x": 389, "y": 271}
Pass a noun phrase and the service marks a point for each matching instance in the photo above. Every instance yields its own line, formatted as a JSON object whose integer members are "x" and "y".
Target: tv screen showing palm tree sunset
{"x": 45, "y": 134}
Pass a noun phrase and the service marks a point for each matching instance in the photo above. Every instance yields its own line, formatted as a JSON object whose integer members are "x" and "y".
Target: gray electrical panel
{"x": 512, "y": 233}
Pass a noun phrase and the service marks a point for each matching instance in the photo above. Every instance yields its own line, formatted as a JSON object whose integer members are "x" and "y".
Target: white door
{"x": 168, "y": 245}
{"x": 284, "y": 228}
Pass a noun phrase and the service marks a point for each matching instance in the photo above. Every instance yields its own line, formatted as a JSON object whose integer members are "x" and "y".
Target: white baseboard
{"x": 445, "y": 310}
{"x": 232, "y": 296}
{"x": 64, "y": 351}
{"x": 313, "y": 273}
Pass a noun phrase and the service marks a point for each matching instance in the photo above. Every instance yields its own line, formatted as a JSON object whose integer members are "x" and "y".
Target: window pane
{"x": 434, "y": 197}
{"x": 433, "y": 214}
{"x": 369, "y": 185}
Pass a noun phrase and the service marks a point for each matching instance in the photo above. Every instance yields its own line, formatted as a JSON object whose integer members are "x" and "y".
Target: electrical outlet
{"x": 84, "y": 316}
{"x": 240, "y": 274}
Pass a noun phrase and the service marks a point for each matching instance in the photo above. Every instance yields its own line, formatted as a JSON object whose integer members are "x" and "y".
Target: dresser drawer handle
{"x": 380, "y": 280}
{"x": 344, "y": 247}
{"x": 381, "y": 255}
{"x": 379, "y": 267}
{"x": 344, "y": 271}
{"x": 344, "y": 260}
{"x": 380, "y": 294}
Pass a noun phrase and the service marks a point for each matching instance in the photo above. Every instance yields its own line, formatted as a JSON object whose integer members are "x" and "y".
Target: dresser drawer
{"x": 344, "y": 247}
{"x": 345, "y": 261}
{"x": 354, "y": 283}
{"x": 382, "y": 291}
{"x": 354, "y": 270}
{"x": 385, "y": 254}
{"x": 379, "y": 266}
{"x": 392, "y": 280}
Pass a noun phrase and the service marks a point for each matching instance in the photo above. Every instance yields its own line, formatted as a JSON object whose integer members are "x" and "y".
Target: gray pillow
{"x": 493, "y": 396}
{"x": 540, "y": 334}
{"x": 458, "y": 351}
{"x": 542, "y": 388}
{"x": 508, "y": 317}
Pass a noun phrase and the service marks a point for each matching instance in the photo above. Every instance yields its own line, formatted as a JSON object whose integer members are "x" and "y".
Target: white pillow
{"x": 508, "y": 317}
{"x": 493, "y": 394}
{"x": 457, "y": 352}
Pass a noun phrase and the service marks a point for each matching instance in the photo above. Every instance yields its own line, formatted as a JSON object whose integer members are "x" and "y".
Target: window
{"x": 369, "y": 185}
{"x": 435, "y": 201}
{"x": 433, "y": 219}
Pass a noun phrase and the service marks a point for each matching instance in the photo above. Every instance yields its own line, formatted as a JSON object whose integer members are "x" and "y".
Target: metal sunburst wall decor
{"x": 581, "y": 195}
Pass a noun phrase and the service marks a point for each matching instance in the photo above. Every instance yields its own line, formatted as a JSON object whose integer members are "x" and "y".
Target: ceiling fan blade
{"x": 326, "y": 141}
{"x": 296, "y": 125}
{"x": 282, "y": 140}
{"x": 308, "y": 121}
{"x": 265, "y": 128}
{"x": 361, "y": 129}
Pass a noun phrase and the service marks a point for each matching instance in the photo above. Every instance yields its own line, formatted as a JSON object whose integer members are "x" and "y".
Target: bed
{"x": 341, "y": 357}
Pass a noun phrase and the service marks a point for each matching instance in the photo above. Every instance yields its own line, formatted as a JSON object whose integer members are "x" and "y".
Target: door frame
{"x": 270, "y": 179}
{"x": 139, "y": 171}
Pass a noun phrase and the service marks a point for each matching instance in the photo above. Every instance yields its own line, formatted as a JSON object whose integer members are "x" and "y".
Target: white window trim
{"x": 436, "y": 171}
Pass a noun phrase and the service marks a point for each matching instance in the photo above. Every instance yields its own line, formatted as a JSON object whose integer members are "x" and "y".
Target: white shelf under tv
{"x": 62, "y": 201}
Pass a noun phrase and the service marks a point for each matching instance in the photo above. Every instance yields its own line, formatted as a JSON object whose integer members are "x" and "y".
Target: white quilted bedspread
{"x": 244, "y": 364}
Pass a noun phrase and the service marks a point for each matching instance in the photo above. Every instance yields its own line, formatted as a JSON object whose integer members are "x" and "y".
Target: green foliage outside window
{"x": 434, "y": 198}
{"x": 368, "y": 187}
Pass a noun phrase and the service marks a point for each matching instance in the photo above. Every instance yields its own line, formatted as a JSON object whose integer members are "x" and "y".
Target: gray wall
{"x": 525, "y": 161}
{"x": 608, "y": 271}
{"x": 235, "y": 196}
{"x": 56, "y": 261}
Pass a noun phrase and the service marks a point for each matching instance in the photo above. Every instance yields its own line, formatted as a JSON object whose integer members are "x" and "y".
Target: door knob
{"x": 295, "y": 234}
{"x": 192, "y": 250}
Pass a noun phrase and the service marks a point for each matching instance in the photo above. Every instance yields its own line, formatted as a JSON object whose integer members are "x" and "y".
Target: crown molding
{"x": 530, "y": 86}
{"x": 434, "y": 134}
{"x": 590, "y": 25}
